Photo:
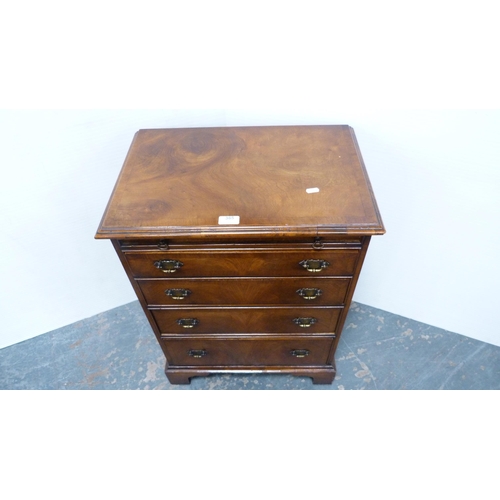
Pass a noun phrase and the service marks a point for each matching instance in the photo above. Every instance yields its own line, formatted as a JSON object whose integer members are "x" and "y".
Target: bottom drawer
{"x": 298, "y": 351}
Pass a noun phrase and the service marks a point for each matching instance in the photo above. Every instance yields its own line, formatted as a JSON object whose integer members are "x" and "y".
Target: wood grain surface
{"x": 180, "y": 181}
{"x": 244, "y": 244}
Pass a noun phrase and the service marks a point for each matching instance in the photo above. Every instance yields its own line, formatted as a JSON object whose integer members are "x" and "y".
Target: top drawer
{"x": 176, "y": 264}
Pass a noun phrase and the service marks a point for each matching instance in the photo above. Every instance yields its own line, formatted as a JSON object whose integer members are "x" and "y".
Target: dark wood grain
{"x": 276, "y": 262}
{"x": 179, "y": 181}
{"x": 248, "y": 291}
{"x": 256, "y": 320}
{"x": 223, "y": 298}
{"x": 248, "y": 352}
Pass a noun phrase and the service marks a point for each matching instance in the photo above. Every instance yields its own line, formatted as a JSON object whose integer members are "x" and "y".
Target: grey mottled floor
{"x": 378, "y": 350}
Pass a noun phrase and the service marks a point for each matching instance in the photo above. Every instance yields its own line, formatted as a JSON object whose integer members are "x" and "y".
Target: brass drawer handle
{"x": 314, "y": 265}
{"x": 300, "y": 353}
{"x": 309, "y": 293}
{"x": 305, "y": 322}
{"x": 187, "y": 322}
{"x": 177, "y": 293}
{"x": 197, "y": 353}
{"x": 168, "y": 266}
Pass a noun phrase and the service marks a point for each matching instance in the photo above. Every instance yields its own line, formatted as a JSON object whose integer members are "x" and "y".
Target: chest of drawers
{"x": 244, "y": 244}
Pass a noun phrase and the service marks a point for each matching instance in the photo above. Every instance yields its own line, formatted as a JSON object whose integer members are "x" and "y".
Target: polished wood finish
{"x": 244, "y": 244}
{"x": 254, "y": 351}
{"x": 257, "y": 320}
{"x": 180, "y": 181}
{"x": 276, "y": 261}
{"x": 255, "y": 291}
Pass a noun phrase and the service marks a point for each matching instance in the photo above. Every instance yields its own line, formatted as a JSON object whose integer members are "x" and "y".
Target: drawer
{"x": 290, "y": 320}
{"x": 298, "y": 351}
{"x": 258, "y": 291}
{"x": 340, "y": 262}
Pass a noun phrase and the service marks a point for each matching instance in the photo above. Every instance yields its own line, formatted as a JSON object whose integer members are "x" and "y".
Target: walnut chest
{"x": 244, "y": 244}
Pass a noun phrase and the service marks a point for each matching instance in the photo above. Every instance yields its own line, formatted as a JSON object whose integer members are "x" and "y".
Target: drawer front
{"x": 298, "y": 351}
{"x": 290, "y": 320}
{"x": 305, "y": 262}
{"x": 301, "y": 291}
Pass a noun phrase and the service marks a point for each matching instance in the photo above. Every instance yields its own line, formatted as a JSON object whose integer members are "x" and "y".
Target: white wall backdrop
{"x": 416, "y": 81}
{"x": 59, "y": 168}
{"x": 435, "y": 174}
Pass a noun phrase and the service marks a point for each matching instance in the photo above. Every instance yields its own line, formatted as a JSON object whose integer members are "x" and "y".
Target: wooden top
{"x": 296, "y": 180}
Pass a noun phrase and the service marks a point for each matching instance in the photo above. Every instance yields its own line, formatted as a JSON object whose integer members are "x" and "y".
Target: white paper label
{"x": 312, "y": 190}
{"x": 229, "y": 219}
